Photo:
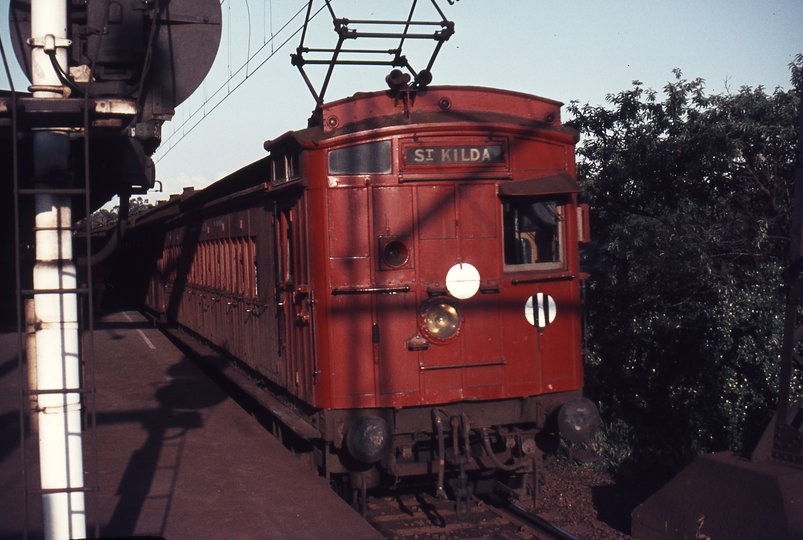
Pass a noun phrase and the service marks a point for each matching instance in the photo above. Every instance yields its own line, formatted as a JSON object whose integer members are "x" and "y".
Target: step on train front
{"x": 402, "y": 277}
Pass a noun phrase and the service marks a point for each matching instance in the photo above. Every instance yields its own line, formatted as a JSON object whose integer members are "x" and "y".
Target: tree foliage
{"x": 691, "y": 200}
{"x": 102, "y": 218}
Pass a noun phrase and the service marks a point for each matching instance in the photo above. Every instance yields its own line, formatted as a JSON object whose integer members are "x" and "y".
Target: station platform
{"x": 176, "y": 457}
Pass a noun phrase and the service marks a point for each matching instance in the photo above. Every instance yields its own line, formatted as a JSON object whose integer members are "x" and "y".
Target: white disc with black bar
{"x": 540, "y": 310}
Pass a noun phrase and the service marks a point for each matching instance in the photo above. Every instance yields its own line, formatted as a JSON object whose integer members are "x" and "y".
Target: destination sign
{"x": 462, "y": 155}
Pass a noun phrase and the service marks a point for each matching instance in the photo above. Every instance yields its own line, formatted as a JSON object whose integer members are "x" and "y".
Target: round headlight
{"x": 441, "y": 320}
{"x": 578, "y": 420}
{"x": 369, "y": 439}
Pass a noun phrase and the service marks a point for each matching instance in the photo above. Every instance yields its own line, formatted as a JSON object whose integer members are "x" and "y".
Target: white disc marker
{"x": 463, "y": 281}
{"x": 543, "y": 306}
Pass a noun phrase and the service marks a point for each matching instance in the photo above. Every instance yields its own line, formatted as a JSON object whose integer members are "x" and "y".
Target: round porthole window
{"x": 395, "y": 253}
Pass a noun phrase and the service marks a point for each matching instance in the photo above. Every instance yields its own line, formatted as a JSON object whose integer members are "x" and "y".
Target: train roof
{"x": 385, "y": 109}
{"x": 436, "y": 104}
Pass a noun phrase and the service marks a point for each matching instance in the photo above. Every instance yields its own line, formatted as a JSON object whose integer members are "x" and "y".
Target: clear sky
{"x": 565, "y": 50}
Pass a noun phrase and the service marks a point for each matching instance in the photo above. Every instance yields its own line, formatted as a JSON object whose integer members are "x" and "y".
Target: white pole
{"x": 57, "y": 354}
{"x": 30, "y": 359}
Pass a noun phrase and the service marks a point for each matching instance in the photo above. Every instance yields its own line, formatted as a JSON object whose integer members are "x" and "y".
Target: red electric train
{"x": 402, "y": 277}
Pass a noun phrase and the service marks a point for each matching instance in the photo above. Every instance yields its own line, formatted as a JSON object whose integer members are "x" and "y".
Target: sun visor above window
{"x": 548, "y": 185}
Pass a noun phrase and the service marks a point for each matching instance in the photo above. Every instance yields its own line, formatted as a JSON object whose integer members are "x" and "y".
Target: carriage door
{"x": 293, "y": 297}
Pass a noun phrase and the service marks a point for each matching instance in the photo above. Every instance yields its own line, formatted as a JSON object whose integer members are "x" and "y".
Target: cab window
{"x": 533, "y": 233}
{"x": 367, "y": 158}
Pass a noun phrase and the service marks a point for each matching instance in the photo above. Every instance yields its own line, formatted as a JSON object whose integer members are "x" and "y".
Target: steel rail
{"x": 538, "y": 522}
{"x": 515, "y": 513}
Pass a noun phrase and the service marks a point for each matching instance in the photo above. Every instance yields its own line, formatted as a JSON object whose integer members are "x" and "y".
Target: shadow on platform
{"x": 167, "y": 426}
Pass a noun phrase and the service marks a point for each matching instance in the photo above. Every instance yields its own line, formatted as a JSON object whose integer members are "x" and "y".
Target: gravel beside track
{"x": 585, "y": 501}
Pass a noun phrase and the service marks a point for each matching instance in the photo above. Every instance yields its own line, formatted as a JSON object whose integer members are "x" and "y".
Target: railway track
{"x": 424, "y": 517}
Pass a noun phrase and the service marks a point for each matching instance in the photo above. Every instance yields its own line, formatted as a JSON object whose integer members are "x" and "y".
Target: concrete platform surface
{"x": 176, "y": 457}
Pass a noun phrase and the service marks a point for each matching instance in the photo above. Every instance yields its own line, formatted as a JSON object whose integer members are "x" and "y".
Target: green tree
{"x": 691, "y": 200}
{"x": 102, "y": 218}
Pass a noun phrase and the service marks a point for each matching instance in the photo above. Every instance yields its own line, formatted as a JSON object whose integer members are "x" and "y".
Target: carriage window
{"x": 284, "y": 168}
{"x": 292, "y": 166}
{"x": 279, "y": 170}
{"x": 365, "y": 158}
{"x": 533, "y": 233}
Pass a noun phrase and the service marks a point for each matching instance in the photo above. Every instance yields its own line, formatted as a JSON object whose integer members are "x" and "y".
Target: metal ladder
{"x": 86, "y": 341}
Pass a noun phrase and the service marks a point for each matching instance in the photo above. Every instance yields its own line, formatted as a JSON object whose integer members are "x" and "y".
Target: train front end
{"x": 447, "y": 324}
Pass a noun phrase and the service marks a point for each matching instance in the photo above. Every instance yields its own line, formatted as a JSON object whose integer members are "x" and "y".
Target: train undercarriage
{"x": 454, "y": 450}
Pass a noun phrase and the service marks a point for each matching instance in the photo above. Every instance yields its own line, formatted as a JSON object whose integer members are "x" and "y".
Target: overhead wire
{"x": 248, "y": 53}
{"x": 181, "y": 131}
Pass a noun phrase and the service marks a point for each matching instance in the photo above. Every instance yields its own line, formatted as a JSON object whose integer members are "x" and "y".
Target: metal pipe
{"x": 486, "y": 441}
{"x": 57, "y": 356}
{"x": 57, "y": 349}
{"x": 440, "y": 493}
{"x": 111, "y": 246}
{"x": 48, "y": 19}
{"x": 30, "y": 355}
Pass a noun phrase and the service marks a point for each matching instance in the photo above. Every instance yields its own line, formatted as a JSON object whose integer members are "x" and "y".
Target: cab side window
{"x": 533, "y": 233}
